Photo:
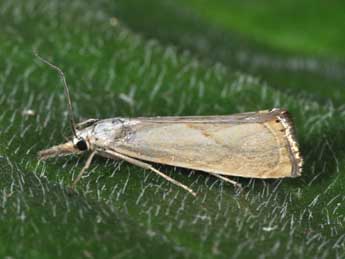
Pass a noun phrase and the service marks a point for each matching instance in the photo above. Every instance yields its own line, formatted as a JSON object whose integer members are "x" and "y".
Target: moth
{"x": 253, "y": 145}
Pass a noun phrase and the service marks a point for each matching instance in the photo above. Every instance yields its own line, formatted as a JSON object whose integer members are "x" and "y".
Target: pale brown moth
{"x": 254, "y": 144}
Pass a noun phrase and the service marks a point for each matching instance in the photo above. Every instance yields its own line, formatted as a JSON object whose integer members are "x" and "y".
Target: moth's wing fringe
{"x": 290, "y": 132}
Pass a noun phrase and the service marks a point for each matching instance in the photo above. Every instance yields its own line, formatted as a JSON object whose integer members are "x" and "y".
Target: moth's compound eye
{"x": 81, "y": 145}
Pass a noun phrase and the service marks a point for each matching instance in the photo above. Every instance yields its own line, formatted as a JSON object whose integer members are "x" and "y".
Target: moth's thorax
{"x": 105, "y": 132}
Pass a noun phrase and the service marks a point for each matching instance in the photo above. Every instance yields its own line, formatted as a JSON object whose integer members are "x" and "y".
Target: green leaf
{"x": 117, "y": 66}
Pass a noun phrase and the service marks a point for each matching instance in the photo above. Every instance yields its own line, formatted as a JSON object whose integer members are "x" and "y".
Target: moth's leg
{"x": 236, "y": 184}
{"x": 86, "y": 166}
{"x": 86, "y": 122}
{"x": 149, "y": 167}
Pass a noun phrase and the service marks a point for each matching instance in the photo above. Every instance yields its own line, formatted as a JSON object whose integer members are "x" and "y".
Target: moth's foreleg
{"x": 149, "y": 167}
{"x": 86, "y": 166}
{"x": 236, "y": 184}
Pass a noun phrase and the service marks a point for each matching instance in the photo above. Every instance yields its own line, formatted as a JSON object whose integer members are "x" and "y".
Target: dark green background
{"x": 145, "y": 58}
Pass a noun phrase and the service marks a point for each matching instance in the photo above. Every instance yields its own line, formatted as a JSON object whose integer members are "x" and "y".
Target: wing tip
{"x": 290, "y": 132}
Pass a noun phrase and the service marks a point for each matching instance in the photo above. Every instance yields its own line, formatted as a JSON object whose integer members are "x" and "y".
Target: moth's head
{"x": 80, "y": 142}
{"x": 75, "y": 146}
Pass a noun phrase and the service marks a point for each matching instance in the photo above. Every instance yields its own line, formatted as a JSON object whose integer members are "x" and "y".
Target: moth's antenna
{"x": 67, "y": 95}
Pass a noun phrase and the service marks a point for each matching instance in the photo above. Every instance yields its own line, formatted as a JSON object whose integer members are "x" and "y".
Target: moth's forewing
{"x": 257, "y": 145}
